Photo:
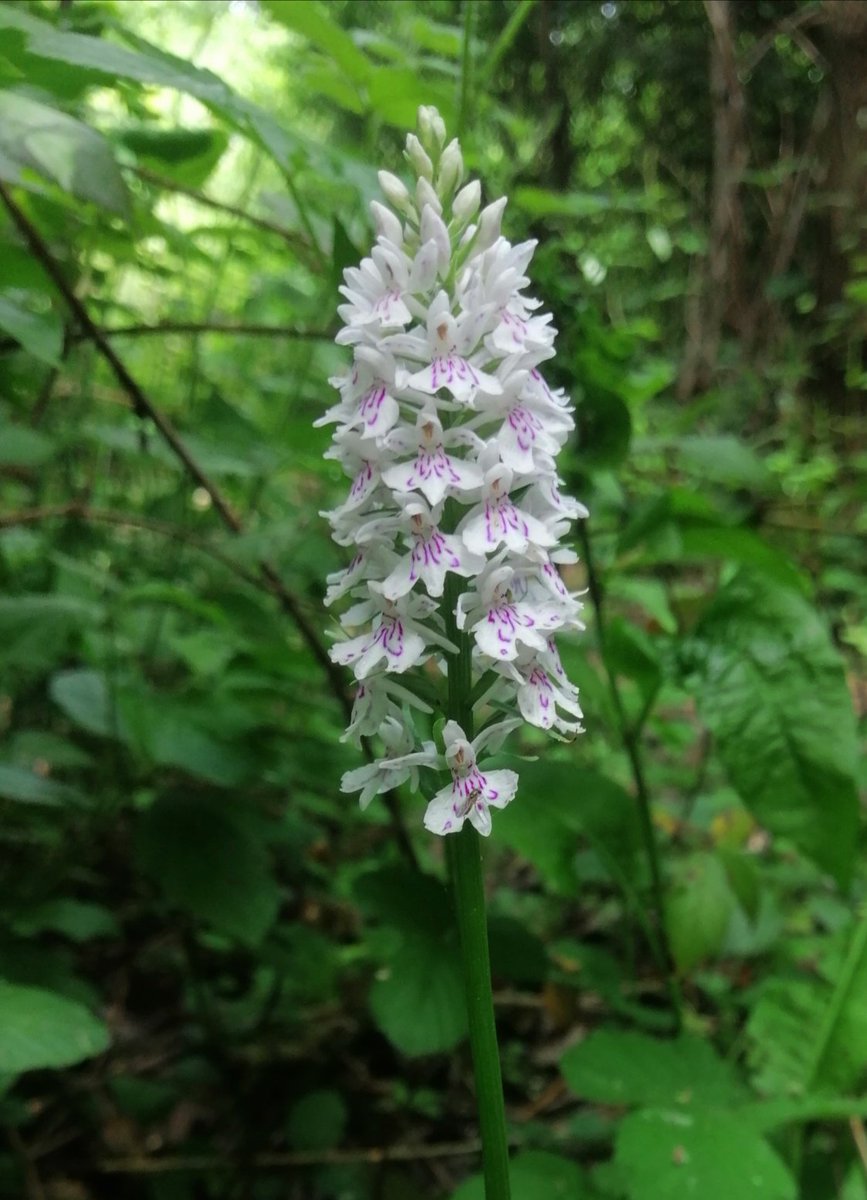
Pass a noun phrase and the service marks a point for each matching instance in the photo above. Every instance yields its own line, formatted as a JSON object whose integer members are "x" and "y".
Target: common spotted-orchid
{"x": 448, "y": 432}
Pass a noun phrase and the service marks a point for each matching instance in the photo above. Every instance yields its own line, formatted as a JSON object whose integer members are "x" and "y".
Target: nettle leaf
{"x": 62, "y": 149}
{"x": 40, "y": 1029}
{"x": 627, "y": 1068}
{"x": 210, "y": 860}
{"x": 808, "y": 1033}
{"x": 534, "y": 1174}
{"x": 671, "y": 1155}
{"x": 771, "y": 689}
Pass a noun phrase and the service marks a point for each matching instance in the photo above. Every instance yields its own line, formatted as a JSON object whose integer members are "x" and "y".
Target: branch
{"x": 154, "y": 1165}
{"x": 268, "y": 574}
{"x": 79, "y": 510}
{"x": 233, "y": 329}
{"x": 288, "y": 235}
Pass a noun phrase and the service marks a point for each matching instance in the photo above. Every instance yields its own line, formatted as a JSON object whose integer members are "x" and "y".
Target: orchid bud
{"x": 451, "y": 169}
{"x": 396, "y": 192}
{"x": 467, "y": 201}
{"x": 418, "y": 157}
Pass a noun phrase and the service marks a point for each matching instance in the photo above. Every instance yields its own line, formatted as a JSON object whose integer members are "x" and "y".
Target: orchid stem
{"x": 468, "y": 891}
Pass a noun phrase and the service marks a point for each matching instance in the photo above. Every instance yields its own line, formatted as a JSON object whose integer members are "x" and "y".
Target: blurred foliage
{"x": 217, "y": 978}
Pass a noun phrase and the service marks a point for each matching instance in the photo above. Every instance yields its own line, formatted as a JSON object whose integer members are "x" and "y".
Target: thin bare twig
{"x": 288, "y": 235}
{"x": 79, "y": 510}
{"x": 155, "y": 1165}
{"x": 194, "y": 328}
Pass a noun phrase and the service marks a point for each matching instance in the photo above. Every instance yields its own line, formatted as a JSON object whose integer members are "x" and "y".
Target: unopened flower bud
{"x": 418, "y": 157}
{"x": 432, "y": 128}
{"x": 489, "y": 225}
{"x": 387, "y": 224}
{"x": 467, "y": 201}
{"x": 451, "y": 169}
{"x": 425, "y": 195}
{"x": 395, "y": 192}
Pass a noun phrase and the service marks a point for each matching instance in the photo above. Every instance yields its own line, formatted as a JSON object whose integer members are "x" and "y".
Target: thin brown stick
{"x": 859, "y": 1137}
{"x": 194, "y": 328}
{"x": 79, "y": 510}
{"x": 143, "y": 406}
{"x": 293, "y": 238}
{"x": 154, "y": 1165}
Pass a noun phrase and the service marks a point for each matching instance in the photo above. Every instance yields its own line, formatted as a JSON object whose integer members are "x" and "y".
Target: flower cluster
{"x": 449, "y": 432}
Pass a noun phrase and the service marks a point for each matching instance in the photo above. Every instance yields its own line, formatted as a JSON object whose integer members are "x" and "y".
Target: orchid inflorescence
{"x": 449, "y": 433}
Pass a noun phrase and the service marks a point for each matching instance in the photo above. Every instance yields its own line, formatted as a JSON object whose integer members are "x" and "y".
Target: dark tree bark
{"x": 720, "y": 298}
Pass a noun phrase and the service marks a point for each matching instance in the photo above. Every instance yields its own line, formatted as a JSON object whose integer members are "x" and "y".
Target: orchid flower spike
{"x": 448, "y": 433}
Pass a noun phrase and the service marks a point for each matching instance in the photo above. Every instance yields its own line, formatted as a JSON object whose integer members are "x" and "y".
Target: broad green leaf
{"x": 418, "y": 999}
{"x": 188, "y": 844}
{"x": 396, "y": 93}
{"x": 62, "y": 149}
{"x": 770, "y": 687}
{"x": 698, "y": 908}
{"x": 40, "y": 334}
{"x": 312, "y": 20}
{"x": 534, "y": 1175}
{"x": 317, "y": 1121}
{"x": 18, "y": 783}
{"x": 85, "y": 698}
{"x": 674, "y": 1155}
{"x": 20, "y": 446}
{"x": 35, "y": 630}
{"x": 560, "y": 804}
{"x": 722, "y": 458}
{"x": 74, "y": 919}
{"x": 40, "y": 1029}
{"x": 149, "y": 65}
{"x": 186, "y": 156}
{"x": 626, "y": 1068}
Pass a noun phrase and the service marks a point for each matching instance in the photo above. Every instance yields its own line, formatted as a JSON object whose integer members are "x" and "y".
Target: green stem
{"x": 504, "y": 42}
{"x": 468, "y": 891}
{"x": 466, "y": 67}
{"x": 659, "y": 944}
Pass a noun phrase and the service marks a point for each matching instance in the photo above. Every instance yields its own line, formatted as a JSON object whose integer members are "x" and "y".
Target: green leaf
{"x": 61, "y": 149}
{"x": 561, "y": 804}
{"x": 186, "y": 156}
{"x": 75, "y": 919}
{"x": 317, "y": 1121}
{"x": 211, "y": 862}
{"x": 626, "y": 1068}
{"x": 674, "y": 1155}
{"x": 84, "y": 697}
{"x": 107, "y": 60}
{"x": 770, "y": 687}
{"x": 698, "y": 908}
{"x": 313, "y": 22}
{"x": 40, "y": 334}
{"x": 534, "y": 1175}
{"x": 18, "y": 783}
{"x": 723, "y": 458}
{"x": 20, "y": 446}
{"x": 418, "y": 999}
{"x": 40, "y": 1029}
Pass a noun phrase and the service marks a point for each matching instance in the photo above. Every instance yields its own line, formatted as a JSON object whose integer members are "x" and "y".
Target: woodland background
{"x": 217, "y": 978}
